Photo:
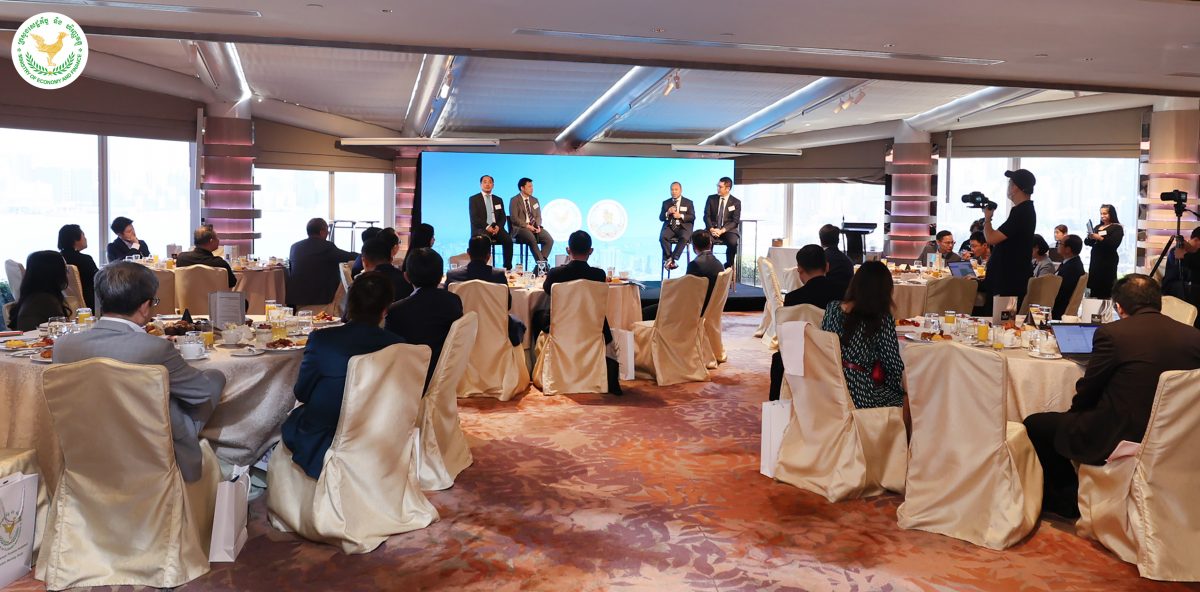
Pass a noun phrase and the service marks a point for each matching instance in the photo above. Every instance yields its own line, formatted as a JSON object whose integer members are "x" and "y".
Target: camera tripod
{"x": 1180, "y": 208}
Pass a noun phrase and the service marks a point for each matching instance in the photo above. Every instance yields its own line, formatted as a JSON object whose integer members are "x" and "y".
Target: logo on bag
{"x": 10, "y": 526}
{"x": 49, "y": 50}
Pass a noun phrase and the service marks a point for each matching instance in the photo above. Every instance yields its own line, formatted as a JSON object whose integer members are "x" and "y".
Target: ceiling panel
{"x": 170, "y": 54}
{"x": 884, "y": 101}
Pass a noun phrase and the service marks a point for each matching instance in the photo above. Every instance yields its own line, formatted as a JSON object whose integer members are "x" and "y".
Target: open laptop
{"x": 962, "y": 269}
{"x": 1075, "y": 339}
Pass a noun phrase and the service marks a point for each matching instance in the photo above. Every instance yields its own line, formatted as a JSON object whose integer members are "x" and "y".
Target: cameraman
{"x": 1187, "y": 256}
{"x": 1008, "y": 269}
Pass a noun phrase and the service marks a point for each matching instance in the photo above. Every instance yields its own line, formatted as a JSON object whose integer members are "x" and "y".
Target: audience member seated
{"x": 1042, "y": 265}
{"x": 424, "y": 318}
{"x": 817, "y": 290}
{"x": 71, "y": 243}
{"x": 367, "y": 235}
{"x": 126, "y": 244}
{"x": 479, "y": 249}
{"x": 41, "y": 294}
{"x": 980, "y": 250}
{"x": 870, "y": 351}
{"x": 1060, "y": 235}
{"x": 126, "y": 293}
{"x": 1114, "y": 398}
{"x": 314, "y": 275}
{"x": 965, "y": 250}
{"x": 206, "y": 241}
{"x": 309, "y": 428}
{"x": 377, "y": 256}
{"x": 943, "y": 245}
{"x": 704, "y": 265}
{"x": 421, "y": 237}
{"x": 1070, "y": 271}
{"x": 840, "y": 267}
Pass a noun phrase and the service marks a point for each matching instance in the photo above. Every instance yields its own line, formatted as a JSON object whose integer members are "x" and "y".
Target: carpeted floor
{"x": 658, "y": 490}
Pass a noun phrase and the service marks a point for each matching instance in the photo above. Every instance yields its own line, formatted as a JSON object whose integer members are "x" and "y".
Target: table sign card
{"x": 226, "y": 307}
{"x": 1004, "y": 309}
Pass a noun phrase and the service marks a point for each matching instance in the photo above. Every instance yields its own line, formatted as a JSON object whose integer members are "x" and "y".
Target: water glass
{"x": 268, "y": 306}
{"x": 304, "y": 320}
{"x": 932, "y": 322}
{"x": 56, "y": 326}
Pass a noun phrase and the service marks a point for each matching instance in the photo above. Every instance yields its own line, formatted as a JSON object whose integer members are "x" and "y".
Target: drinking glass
{"x": 268, "y": 306}
{"x": 82, "y": 315}
{"x": 56, "y": 326}
{"x": 304, "y": 319}
{"x": 206, "y": 332}
{"x": 981, "y": 332}
{"x": 519, "y": 269}
{"x": 932, "y": 322}
{"x": 1039, "y": 316}
{"x": 191, "y": 345}
{"x": 278, "y": 329}
{"x": 949, "y": 318}
{"x": 612, "y": 272}
{"x": 542, "y": 268}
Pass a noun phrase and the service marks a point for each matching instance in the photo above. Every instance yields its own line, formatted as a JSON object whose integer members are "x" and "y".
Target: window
{"x": 48, "y": 179}
{"x": 359, "y": 197}
{"x": 985, "y": 175}
{"x": 817, "y": 204}
{"x": 767, "y": 205}
{"x": 149, "y": 181}
{"x": 288, "y": 200}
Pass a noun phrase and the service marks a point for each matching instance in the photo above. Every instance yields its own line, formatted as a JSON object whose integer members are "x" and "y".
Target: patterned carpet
{"x": 658, "y": 490}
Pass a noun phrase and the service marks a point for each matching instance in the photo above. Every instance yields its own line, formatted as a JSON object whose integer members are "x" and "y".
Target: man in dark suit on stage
{"x": 314, "y": 275}
{"x": 1114, "y": 398}
{"x": 818, "y": 290}
{"x": 526, "y": 221}
{"x": 488, "y": 219}
{"x": 678, "y": 216}
{"x": 478, "y": 249}
{"x": 424, "y": 318}
{"x": 722, "y": 217}
{"x": 1070, "y": 271}
{"x": 206, "y": 242}
{"x": 841, "y": 269}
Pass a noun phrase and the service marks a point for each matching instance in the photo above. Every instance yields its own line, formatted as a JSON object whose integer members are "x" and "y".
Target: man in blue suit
{"x": 1070, "y": 271}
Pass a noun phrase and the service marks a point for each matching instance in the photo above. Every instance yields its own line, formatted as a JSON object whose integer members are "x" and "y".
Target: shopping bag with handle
{"x": 18, "y": 517}
{"x": 229, "y": 520}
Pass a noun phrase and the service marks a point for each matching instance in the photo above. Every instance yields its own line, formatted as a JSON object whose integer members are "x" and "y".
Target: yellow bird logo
{"x": 50, "y": 49}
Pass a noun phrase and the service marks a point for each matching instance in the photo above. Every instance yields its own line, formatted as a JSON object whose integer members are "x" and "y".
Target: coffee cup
{"x": 191, "y": 351}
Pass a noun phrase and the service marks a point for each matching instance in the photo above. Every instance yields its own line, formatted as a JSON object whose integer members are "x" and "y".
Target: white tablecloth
{"x": 259, "y": 286}
{"x": 908, "y": 301}
{"x": 624, "y": 306}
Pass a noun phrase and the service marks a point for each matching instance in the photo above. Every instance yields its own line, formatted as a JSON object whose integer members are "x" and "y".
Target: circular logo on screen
{"x": 49, "y": 50}
{"x": 561, "y": 217}
{"x": 607, "y": 220}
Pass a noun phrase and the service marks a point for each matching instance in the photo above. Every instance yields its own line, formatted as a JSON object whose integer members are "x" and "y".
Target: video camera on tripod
{"x": 1178, "y": 197}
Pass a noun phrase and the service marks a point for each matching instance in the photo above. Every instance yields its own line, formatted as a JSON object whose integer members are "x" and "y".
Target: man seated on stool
{"x": 377, "y": 256}
{"x": 1070, "y": 271}
{"x": 841, "y": 269}
{"x": 818, "y": 290}
{"x": 722, "y": 215}
{"x": 1114, "y": 398}
{"x": 206, "y": 242}
{"x": 526, "y": 221}
{"x": 678, "y": 217}
{"x": 126, "y": 292}
{"x": 424, "y": 318}
{"x": 704, "y": 265}
{"x": 487, "y": 218}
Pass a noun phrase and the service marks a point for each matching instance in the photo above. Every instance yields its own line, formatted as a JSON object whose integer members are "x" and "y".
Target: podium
{"x": 854, "y": 232}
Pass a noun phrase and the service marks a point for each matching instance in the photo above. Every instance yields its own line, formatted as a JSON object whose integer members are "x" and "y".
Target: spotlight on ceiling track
{"x": 673, "y": 83}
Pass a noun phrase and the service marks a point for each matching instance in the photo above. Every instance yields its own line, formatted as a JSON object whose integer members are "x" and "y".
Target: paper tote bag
{"x": 775, "y": 418}
{"x": 18, "y": 514}
{"x": 229, "y": 519}
{"x": 622, "y": 349}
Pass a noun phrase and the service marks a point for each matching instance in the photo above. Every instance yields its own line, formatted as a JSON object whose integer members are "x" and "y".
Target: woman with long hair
{"x": 71, "y": 243}
{"x": 870, "y": 352}
{"x": 421, "y": 237}
{"x": 42, "y": 288}
{"x": 1104, "y": 240}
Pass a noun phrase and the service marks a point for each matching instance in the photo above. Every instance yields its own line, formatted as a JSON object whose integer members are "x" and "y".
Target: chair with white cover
{"x": 972, "y": 474}
{"x": 9, "y": 321}
{"x": 774, "y": 296}
{"x": 712, "y": 344}
{"x": 801, "y": 312}
{"x": 368, "y": 488}
{"x": 1142, "y": 507}
{"x": 497, "y": 367}
{"x": 444, "y": 451}
{"x": 460, "y": 260}
{"x": 165, "y": 294}
{"x": 667, "y": 349}
{"x": 1076, "y": 300}
{"x": 15, "y": 272}
{"x": 950, "y": 293}
{"x": 829, "y": 447}
{"x": 121, "y": 512}
{"x": 570, "y": 358}
{"x": 74, "y": 292}
{"x": 344, "y": 276}
{"x": 1041, "y": 291}
{"x": 1179, "y": 310}
{"x": 194, "y": 283}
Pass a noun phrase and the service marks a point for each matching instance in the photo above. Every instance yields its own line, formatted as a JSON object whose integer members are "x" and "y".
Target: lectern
{"x": 855, "y": 231}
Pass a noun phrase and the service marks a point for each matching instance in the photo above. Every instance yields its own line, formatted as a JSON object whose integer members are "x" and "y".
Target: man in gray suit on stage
{"x": 125, "y": 293}
{"x": 526, "y": 221}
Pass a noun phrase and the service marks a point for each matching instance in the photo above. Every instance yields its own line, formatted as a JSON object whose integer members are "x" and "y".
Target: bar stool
{"x": 687, "y": 258}
{"x": 737, "y": 263}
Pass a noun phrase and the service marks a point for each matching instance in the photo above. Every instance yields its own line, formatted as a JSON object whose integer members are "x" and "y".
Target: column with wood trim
{"x": 227, "y": 181}
{"x": 406, "y": 191}
{"x": 910, "y": 203}
{"x": 1170, "y": 160}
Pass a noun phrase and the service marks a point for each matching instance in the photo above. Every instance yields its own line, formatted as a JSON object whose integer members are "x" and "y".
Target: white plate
{"x": 284, "y": 349}
{"x": 329, "y": 322}
{"x": 916, "y": 337}
{"x": 199, "y": 359}
{"x": 249, "y": 352}
{"x": 15, "y": 349}
{"x": 1033, "y": 354}
{"x": 167, "y": 318}
{"x": 40, "y": 360}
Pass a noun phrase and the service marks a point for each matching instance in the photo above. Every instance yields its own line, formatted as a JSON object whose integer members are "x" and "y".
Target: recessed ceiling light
{"x": 658, "y": 30}
{"x": 1041, "y": 55}
{"x": 727, "y": 34}
{"x": 889, "y": 45}
{"x": 1088, "y": 59}
{"x": 314, "y": 5}
{"x": 386, "y": 11}
{"x": 143, "y": 6}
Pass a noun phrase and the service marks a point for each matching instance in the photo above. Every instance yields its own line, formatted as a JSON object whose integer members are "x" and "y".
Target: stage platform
{"x": 744, "y": 298}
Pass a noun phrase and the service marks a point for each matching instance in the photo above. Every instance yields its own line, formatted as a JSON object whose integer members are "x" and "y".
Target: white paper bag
{"x": 18, "y": 518}
{"x": 621, "y": 349}
{"x": 229, "y": 520}
{"x": 775, "y": 418}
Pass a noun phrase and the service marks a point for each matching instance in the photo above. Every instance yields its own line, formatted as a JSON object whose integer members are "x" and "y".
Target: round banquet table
{"x": 257, "y": 398}
{"x": 259, "y": 285}
{"x": 908, "y": 300}
{"x": 624, "y": 306}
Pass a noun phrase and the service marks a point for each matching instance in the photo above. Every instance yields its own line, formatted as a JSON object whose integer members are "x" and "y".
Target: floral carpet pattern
{"x": 657, "y": 490}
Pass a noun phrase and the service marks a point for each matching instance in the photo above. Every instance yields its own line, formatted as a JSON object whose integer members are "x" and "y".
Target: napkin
{"x": 1124, "y": 449}
{"x": 791, "y": 346}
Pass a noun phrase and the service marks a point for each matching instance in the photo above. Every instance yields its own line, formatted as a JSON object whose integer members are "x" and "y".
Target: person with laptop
{"x": 1114, "y": 398}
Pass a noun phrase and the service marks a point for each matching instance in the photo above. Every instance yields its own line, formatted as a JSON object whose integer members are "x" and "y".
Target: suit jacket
{"x": 193, "y": 393}
{"x": 309, "y": 428}
{"x": 686, "y": 207}
{"x": 400, "y": 287}
{"x": 118, "y": 250}
{"x": 198, "y": 256}
{"x": 733, "y": 213}
{"x": 314, "y": 275}
{"x": 424, "y": 318}
{"x": 518, "y": 217}
{"x": 818, "y": 291}
{"x": 705, "y": 265}
{"x": 1070, "y": 271}
{"x": 841, "y": 268}
{"x": 87, "y": 273}
{"x": 1043, "y": 267}
{"x": 37, "y": 308}
{"x": 574, "y": 270}
{"x": 1114, "y": 398}
{"x": 479, "y": 214}
{"x": 475, "y": 271}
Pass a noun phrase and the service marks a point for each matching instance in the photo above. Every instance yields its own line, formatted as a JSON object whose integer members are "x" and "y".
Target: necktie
{"x": 529, "y": 214}
{"x": 491, "y": 212}
{"x": 721, "y": 213}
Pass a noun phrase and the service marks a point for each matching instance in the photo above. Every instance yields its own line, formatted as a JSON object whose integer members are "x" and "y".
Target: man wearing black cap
{"x": 1008, "y": 270}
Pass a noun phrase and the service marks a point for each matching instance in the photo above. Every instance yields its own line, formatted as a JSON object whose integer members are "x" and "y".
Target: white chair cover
{"x": 1041, "y": 291}
{"x": 444, "y": 450}
{"x": 194, "y": 283}
{"x": 344, "y": 276}
{"x": 368, "y": 488}
{"x": 1179, "y": 310}
{"x": 1077, "y": 296}
{"x": 74, "y": 291}
{"x": 15, "y": 272}
{"x": 774, "y": 296}
{"x": 165, "y": 294}
{"x": 1143, "y": 507}
{"x": 570, "y": 359}
{"x": 951, "y": 293}
{"x": 829, "y": 447}
{"x": 972, "y": 475}
{"x": 668, "y": 348}
{"x": 713, "y": 346}
{"x": 800, "y": 312}
{"x": 497, "y": 367}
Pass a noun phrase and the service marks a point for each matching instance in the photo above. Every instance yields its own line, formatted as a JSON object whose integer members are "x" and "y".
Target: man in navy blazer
{"x": 309, "y": 428}
{"x": 478, "y": 249}
{"x": 1070, "y": 271}
{"x": 488, "y": 218}
{"x": 313, "y": 277}
{"x": 424, "y": 318}
{"x": 723, "y": 217}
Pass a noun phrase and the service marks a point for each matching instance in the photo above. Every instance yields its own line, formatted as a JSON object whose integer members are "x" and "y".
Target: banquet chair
{"x": 829, "y": 447}
{"x": 663, "y": 272}
{"x": 194, "y": 283}
{"x": 9, "y": 321}
{"x": 667, "y": 349}
{"x": 1041, "y": 291}
{"x": 1077, "y": 296}
{"x": 496, "y": 367}
{"x": 24, "y": 461}
{"x": 368, "y": 488}
{"x": 459, "y": 260}
{"x": 1179, "y": 310}
{"x": 74, "y": 292}
{"x": 712, "y": 345}
{"x": 570, "y": 358}
{"x": 165, "y": 294}
{"x": 121, "y": 515}
{"x": 344, "y": 276}
{"x": 801, "y": 312}
{"x": 1142, "y": 507}
{"x": 951, "y": 293}
{"x": 15, "y": 272}
{"x": 774, "y": 296}
{"x": 972, "y": 474}
{"x": 444, "y": 452}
